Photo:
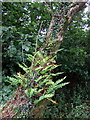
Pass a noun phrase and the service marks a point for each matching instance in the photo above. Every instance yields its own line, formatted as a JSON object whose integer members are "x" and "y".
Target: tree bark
{"x": 62, "y": 21}
{"x": 70, "y": 14}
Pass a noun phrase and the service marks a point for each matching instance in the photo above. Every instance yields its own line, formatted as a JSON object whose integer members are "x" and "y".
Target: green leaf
{"x": 38, "y": 68}
{"x": 30, "y": 57}
{"x": 12, "y": 80}
{"x": 46, "y": 69}
{"x": 59, "y": 81}
{"x": 43, "y": 97}
{"x": 38, "y": 79}
{"x": 33, "y": 23}
{"x": 52, "y": 59}
{"x": 36, "y": 92}
{"x": 30, "y": 92}
{"x": 44, "y": 81}
{"x": 59, "y": 73}
{"x": 61, "y": 85}
{"x": 49, "y": 83}
{"x": 50, "y": 90}
{"x": 24, "y": 68}
{"x": 59, "y": 50}
{"x": 53, "y": 87}
{"x": 40, "y": 55}
{"x": 31, "y": 29}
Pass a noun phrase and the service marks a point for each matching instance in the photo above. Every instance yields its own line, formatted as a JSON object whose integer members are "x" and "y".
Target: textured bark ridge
{"x": 63, "y": 20}
{"x": 59, "y": 23}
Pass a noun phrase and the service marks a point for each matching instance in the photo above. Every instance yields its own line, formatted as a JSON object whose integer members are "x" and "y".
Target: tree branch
{"x": 64, "y": 20}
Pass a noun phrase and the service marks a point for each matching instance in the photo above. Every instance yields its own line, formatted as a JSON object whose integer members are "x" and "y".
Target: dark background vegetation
{"x": 21, "y": 23}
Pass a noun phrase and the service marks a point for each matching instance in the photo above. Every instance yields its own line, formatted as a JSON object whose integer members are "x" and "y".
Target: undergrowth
{"x": 72, "y": 103}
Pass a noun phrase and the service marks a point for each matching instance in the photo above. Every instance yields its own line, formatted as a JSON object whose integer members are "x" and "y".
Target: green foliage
{"x": 75, "y": 54}
{"x": 72, "y": 104}
{"x": 20, "y": 31}
{"x": 81, "y": 112}
{"x": 19, "y": 38}
{"x": 6, "y": 93}
{"x": 37, "y": 80}
{"x": 15, "y": 45}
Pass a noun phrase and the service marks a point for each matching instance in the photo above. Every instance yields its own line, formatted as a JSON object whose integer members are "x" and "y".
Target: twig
{"x": 38, "y": 36}
{"x": 37, "y": 42}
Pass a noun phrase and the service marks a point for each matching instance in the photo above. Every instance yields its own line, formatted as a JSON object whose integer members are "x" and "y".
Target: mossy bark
{"x": 39, "y": 109}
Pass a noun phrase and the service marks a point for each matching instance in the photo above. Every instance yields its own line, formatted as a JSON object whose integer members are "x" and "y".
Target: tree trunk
{"x": 59, "y": 23}
{"x": 70, "y": 14}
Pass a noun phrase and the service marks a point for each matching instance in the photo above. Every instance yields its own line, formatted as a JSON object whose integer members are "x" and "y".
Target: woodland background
{"x": 20, "y": 24}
